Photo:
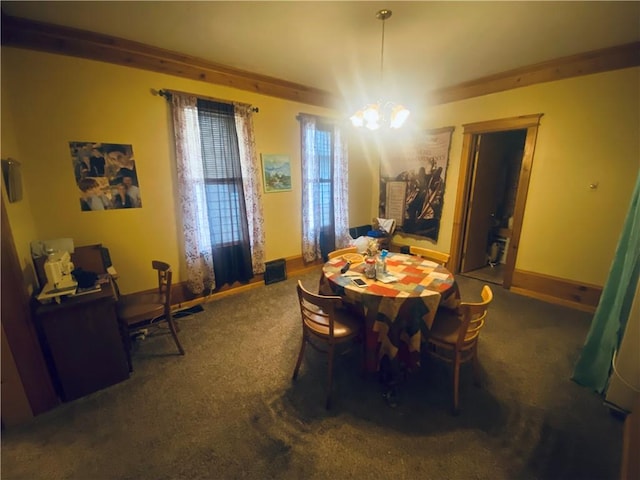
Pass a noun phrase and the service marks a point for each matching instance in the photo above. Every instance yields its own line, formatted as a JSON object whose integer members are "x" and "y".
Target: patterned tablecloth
{"x": 398, "y": 313}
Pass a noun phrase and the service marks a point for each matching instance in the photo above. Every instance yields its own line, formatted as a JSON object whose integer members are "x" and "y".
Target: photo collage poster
{"x": 106, "y": 176}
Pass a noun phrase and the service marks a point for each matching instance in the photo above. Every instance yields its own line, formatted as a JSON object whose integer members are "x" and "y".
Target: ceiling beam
{"x": 23, "y": 33}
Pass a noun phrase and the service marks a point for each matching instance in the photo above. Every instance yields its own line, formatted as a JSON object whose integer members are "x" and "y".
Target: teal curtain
{"x": 610, "y": 320}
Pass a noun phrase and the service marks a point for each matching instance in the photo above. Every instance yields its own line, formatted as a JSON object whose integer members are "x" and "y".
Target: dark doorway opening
{"x": 492, "y": 198}
{"x": 482, "y": 166}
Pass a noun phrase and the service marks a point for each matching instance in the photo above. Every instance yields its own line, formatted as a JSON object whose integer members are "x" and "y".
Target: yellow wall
{"x": 54, "y": 99}
{"x": 19, "y": 213}
{"x": 590, "y": 132}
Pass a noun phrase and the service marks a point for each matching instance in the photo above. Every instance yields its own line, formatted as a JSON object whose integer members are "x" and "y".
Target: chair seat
{"x": 344, "y": 325}
{"x": 137, "y": 308}
{"x": 141, "y": 298}
{"x": 446, "y": 326}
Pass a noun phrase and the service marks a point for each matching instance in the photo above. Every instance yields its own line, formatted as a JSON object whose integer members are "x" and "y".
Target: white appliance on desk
{"x": 60, "y": 281}
{"x": 58, "y": 268}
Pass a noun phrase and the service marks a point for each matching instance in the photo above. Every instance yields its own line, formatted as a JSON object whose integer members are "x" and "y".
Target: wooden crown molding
{"x": 46, "y": 37}
{"x": 23, "y": 33}
{"x": 597, "y": 61}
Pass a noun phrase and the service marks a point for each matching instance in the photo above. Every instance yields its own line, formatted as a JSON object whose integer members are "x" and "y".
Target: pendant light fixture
{"x": 383, "y": 112}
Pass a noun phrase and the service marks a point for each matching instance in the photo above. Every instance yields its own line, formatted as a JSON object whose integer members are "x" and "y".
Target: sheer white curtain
{"x": 312, "y": 192}
{"x": 341, "y": 189}
{"x": 191, "y": 190}
{"x": 251, "y": 178}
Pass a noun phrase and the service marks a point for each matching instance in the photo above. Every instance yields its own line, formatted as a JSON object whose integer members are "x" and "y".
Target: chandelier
{"x": 383, "y": 112}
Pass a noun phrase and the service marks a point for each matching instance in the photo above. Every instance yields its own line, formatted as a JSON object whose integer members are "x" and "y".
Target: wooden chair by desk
{"x": 140, "y": 310}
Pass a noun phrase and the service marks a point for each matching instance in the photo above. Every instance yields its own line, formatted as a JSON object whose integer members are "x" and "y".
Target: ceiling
{"x": 336, "y": 46}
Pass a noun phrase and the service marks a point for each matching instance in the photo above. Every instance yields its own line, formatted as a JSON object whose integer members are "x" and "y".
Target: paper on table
{"x": 387, "y": 279}
{"x": 438, "y": 275}
{"x": 429, "y": 263}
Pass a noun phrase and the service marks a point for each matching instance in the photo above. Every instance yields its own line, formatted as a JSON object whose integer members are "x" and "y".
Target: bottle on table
{"x": 381, "y": 264}
{"x": 370, "y": 267}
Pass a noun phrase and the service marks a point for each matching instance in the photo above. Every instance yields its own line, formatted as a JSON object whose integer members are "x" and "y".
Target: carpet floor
{"x": 229, "y": 410}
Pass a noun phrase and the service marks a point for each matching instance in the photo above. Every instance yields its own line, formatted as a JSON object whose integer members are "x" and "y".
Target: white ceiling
{"x": 336, "y": 46}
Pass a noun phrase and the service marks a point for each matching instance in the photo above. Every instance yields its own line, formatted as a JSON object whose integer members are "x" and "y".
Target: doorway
{"x": 496, "y": 171}
{"x": 494, "y": 178}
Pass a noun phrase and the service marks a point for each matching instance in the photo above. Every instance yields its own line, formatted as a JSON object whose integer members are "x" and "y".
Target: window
{"x": 325, "y": 200}
{"x": 323, "y": 143}
{"x": 218, "y": 184}
{"x": 222, "y": 174}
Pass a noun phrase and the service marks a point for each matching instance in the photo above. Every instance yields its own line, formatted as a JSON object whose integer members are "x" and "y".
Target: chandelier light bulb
{"x": 357, "y": 119}
{"x": 375, "y": 115}
{"x": 399, "y": 115}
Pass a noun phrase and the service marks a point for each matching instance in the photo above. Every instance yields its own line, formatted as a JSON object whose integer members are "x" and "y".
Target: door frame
{"x": 20, "y": 334}
{"x": 465, "y": 178}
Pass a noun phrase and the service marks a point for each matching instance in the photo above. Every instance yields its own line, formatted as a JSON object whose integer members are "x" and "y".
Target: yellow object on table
{"x": 353, "y": 258}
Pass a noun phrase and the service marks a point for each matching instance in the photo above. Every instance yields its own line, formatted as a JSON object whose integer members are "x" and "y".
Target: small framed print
{"x": 276, "y": 172}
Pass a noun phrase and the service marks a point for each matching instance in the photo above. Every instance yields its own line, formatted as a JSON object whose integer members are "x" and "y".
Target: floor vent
{"x": 275, "y": 271}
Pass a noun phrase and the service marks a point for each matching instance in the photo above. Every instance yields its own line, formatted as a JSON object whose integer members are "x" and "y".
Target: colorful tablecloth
{"x": 397, "y": 313}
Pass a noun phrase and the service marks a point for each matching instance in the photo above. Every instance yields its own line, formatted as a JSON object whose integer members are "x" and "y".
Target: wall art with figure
{"x": 106, "y": 176}
{"x": 412, "y": 179}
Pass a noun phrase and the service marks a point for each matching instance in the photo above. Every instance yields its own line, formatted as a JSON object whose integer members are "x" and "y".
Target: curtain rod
{"x": 166, "y": 93}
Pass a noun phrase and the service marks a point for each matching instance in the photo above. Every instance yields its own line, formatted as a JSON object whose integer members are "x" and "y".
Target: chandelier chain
{"x": 379, "y": 113}
{"x": 382, "y": 55}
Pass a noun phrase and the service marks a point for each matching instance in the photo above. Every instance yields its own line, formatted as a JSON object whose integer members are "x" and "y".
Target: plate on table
{"x": 353, "y": 258}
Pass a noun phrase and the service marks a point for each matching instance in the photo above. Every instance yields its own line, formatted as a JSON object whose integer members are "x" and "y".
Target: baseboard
{"x": 182, "y": 298}
{"x": 559, "y": 291}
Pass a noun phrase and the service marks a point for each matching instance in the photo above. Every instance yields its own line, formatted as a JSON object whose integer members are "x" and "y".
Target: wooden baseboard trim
{"x": 182, "y": 298}
{"x": 559, "y": 291}
{"x": 568, "y": 293}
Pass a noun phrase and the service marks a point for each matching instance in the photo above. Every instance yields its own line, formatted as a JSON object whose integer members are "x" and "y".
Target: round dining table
{"x": 399, "y": 307}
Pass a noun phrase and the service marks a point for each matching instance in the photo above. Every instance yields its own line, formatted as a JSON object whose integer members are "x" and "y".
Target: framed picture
{"x": 276, "y": 172}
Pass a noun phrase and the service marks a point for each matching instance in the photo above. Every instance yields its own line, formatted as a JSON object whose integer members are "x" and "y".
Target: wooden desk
{"x": 82, "y": 342}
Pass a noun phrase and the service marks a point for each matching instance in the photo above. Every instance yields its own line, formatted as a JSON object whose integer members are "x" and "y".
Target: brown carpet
{"x": 228, "y": 408}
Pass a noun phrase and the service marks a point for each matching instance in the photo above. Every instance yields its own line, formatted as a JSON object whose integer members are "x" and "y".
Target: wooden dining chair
{"x": 342, "y": 251}
{"x": 453, "y": 337}
{"x": 140, "y": 310}
{"x": 438, "y": 257}
{"x": 324, "y": 326}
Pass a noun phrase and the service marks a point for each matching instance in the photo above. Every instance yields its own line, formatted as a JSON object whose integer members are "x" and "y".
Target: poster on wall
{"x": 106, "y": 176}
{"x": 412, "y": 179}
